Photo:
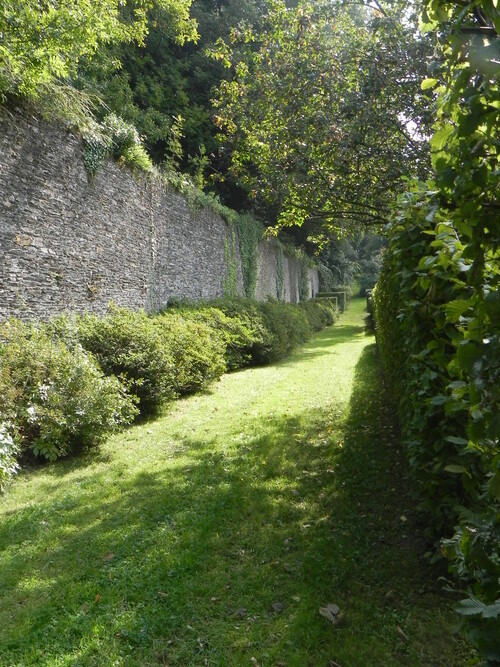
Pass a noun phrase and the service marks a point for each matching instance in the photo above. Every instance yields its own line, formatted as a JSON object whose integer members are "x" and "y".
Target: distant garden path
{"x": 212, "y": 536}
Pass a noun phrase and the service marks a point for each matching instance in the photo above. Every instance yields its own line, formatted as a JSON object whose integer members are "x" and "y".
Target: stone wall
{"x": 68, "y": 242}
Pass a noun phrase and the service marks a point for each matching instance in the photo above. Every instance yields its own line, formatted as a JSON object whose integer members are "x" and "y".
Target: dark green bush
{"x": 275, "y": 328}
{"x": 129, "y": 345}
{"x": 287, "y": 326}
{"x": 236, "y": 331}
{"x": 437, "y": 318}
{"x": 197, "y": 350}
{"x": 252, "y": 332}
{"x": 55, "y": 399}
{"x": 320, "y": 313}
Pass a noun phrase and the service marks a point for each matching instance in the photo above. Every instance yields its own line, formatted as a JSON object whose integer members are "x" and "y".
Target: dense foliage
{"x": 437, "y": 311}
{"x": 164, "y": 88}
{"x": 317, "y": 116}
{"x": 66, "y": 384}
{"x": 54, "y": 399}
{"x": 41, "y": 42}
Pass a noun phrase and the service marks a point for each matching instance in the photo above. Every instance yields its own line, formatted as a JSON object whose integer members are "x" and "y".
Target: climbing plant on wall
{"x": 250, "y": 232}
{"x": 280, "y": 273}
{"x": 303, "y": 277}
{"x": 230, "y": 283}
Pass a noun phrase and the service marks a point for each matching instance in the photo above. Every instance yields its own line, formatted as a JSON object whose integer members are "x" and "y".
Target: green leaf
{"x": 455, "y": 469}
{"x": 457, "y": 441}
{"x": 439, "y": 400}
{"x": 494, "y": 486}
{"x": 470, "y": 607}
{"x": 455, "y": 309}
{"x": 492, "y": 610}
{"x": 428, "y": 83}
{"x": 467, "y": 354}
{"x": 441, "y": 137}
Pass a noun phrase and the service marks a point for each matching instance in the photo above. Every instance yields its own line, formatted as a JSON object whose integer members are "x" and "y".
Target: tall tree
{"x": 324, "y": 115}
{"x": 164, "y": 87}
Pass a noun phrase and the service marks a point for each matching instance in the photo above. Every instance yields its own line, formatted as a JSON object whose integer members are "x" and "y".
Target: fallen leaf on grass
{"x": 97, "y": 598}
{"x": 402, "y": 634}
{"x": 332, "y": 613}
{"x": 109, "y": 556}
{"x": 241, "y": 612}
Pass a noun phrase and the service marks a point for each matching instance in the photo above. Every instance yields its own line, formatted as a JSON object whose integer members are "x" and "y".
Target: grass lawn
{"x": 213, "y": 535}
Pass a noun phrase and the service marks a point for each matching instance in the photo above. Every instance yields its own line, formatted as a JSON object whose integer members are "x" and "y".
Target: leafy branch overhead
{"x": 324, "y": 114}
{"x": 43, "y": 41}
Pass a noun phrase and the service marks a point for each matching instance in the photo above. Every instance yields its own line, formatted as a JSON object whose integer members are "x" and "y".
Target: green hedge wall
{"x": 437, "y": 320}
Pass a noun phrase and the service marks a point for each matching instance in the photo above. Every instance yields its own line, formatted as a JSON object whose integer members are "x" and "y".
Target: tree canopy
{"x": 324, "y": 115}
{"x": 45, "y": 40}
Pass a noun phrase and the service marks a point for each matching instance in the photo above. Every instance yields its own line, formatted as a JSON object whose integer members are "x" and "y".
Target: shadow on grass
{"x": 156, "y": 569}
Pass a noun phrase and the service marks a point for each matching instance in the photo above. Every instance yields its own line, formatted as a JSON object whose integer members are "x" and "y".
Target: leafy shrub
{"x": 437, "y": 320}
{"x": 197, "y": 351}
{"x": 474, "y": 551}
{"x": 129, "y": 345}
{"x": 246, "y": 332}
{"x": 236, "y": 332}
{"x": 320, "y": 314}
{"x": 287, "y": 326}
{"x": 123, "y": 135}
{"x": 56, "y": 398}
{"x": 270, "y": 329}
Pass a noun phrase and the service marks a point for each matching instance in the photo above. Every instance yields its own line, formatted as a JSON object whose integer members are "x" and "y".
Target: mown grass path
{"x": 212, "y": 536}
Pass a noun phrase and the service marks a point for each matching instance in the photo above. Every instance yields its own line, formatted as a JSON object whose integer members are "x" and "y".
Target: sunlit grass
{"x": 282, "y": 486}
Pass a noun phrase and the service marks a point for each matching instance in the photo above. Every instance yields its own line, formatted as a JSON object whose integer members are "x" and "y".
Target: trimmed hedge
{"x": 320, "y": 313}
{"x": 437, "y": 319}
{"x": 238, "y": 331}
{"x": 197, "y": 351}
{"x": 129, "y": 345}
{"x": 341, "y": 294}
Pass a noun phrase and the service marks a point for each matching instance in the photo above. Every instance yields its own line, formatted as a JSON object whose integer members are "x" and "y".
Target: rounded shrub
{"x": 237, "y": 332}
{"x": 286, "y": 326}
{"x": 56, "y": 399}
{"x": 319, "y": 314}
{"x": 129, "y": 345}
{"x": 197, "y": 351}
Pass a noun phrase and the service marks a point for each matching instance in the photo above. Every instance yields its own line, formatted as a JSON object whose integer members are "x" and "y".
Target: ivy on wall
{"x": 230, "y": 283}
{"x": 280, "y": 273}
{"x": 250, "y": 232}
{"x": 304, "y": 264}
